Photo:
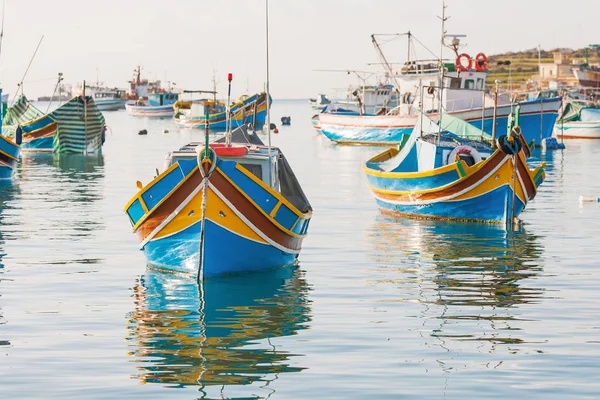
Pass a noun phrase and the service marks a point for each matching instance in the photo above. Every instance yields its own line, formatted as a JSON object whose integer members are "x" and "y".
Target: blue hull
{"x": 492, "y": 206}
{"x": 225, "y": 252}
{"x": 6, "y": 173}
{"x": 41, "y": 144}
{"x": 530, "y": 127}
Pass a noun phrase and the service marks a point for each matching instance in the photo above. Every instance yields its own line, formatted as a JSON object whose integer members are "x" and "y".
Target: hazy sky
{"x": 185, "y": 40}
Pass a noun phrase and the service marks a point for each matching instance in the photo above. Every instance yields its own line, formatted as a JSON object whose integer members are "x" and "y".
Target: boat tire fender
{"x": 508, "y": 146}
{"x": 463, "y": 149}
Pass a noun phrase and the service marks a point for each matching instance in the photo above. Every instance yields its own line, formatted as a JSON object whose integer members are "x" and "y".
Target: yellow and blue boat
{"x": 77, "y": 126}
{"x": 245, "y": 110}
{"x": 227, "y": 208}
{"x": 450, "y": 173}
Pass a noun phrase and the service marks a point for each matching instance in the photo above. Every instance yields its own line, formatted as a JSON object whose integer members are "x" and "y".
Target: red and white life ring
{"x": 463, "y": 149}
{"x": 459, "y": 62}
{"x": 481, "y": 62}
{"x": 223, "y": 150}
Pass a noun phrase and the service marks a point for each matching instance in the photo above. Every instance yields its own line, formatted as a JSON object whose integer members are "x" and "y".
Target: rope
{"x": 204, "y": 184}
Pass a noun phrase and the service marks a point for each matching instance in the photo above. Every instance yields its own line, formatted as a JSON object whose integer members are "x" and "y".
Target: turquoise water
{"x": 378, "y": 308}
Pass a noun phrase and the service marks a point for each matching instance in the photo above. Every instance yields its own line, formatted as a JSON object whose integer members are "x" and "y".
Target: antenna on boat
{"x": 268, "y": 95}
{"x": 441, "y": 66}
{"x": 2, "y": 29}
{"x": 228, "y": 116}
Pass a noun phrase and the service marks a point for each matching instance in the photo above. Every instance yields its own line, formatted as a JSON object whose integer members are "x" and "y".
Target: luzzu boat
{"x": 245, "y": 110}
{"x": 450, "y": 173}
{"x": 77, "y": 126}
{"x": 238, "y": 208}
{"x": 158, "y": 105}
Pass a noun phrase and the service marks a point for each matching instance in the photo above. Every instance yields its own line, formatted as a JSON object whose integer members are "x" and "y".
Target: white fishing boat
{"x": 579, "y": 119}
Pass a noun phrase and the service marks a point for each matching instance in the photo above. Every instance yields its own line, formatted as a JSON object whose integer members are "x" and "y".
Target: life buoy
{"x": 459, "y": 63}
{"x": 455, "y": 154}
{"x": 481, "y": 62}
{"x": 223, "y": 150}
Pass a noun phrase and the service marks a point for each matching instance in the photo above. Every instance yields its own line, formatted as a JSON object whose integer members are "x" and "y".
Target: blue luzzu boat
{"x": 450, "y": 173}
{"x": 227, "y": 209}
{"x": 246, "y": 110}
{"x": 77, "y": 126}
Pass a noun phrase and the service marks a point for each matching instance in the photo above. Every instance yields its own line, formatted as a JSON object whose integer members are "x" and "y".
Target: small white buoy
{"x": 588, "y": 199}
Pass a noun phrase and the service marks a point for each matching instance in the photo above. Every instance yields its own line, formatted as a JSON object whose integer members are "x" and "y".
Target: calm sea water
{"x": 378, "y": 308}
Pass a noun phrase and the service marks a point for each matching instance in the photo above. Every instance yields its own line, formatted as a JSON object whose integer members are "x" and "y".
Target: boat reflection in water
{"x": 217, "y": 333}
{"x": 474, "y": 278}
{"x": 7, "y": 193}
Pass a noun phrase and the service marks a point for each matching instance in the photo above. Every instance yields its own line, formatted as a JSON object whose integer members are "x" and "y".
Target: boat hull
{"x": 9, "y": 155}
{"x": 110, "y": 105}
{"x": 536, "y": 120}
{"x": 166, "y": 111}
{"x": 578, "y": 129}
{"x": 245, "y": 230}
{"x": 588, "y": 78}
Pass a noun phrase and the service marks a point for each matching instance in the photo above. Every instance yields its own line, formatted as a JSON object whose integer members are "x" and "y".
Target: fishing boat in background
{"x": 319, "y": 102}
{"x": 77, "y": 126}
{"x": 588, "y": 75}
{"x": 246, "y": 110}
{"x": 579, "y": 119}
{"x": 446, "y": 171}
{"x": 140, "y": 88}
{"x": 110, "y": 100}
{"x": 457, "y": 88}
{"x": 158, "y": 105}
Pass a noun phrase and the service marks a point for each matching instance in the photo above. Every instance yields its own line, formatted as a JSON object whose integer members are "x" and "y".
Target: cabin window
{"x": 454, "y": 83}
{"x": 479, "y": 83}
{"x": 469, "y": 84}
{"x": 255, "y": 169}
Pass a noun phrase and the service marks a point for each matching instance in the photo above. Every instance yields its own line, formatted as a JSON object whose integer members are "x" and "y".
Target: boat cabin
{"x": 257, "y": 160}
{"x": 110, "y": 95}
{"x": 162, "y": 99}
{"x": 204, "y": 106}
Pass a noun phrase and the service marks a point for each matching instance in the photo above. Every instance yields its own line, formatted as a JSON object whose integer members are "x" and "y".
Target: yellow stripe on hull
{"x": 501, "y": 177}
{"x": 216, "y": 210}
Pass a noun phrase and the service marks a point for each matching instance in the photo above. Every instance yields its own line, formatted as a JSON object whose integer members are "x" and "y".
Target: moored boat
{"x": 229, "y": 208}
{"x": 158, "y": 105}
{"x": 110, "y": 100}
{"x": 449, "y": 173}
{"x": 245, "y": 110}
{"x": 579, "y": 119}
{"x": 77, "y": 126}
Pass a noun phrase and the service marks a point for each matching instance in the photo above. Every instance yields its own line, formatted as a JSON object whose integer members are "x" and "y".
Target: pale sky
{"x": 185, "y": 40}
